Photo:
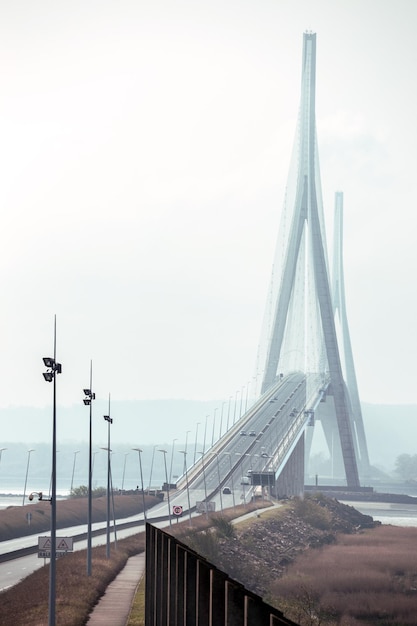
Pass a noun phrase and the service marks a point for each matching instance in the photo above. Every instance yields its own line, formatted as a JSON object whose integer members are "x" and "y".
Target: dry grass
{"x": 76, "y": 593}
{"x": 368, "y": 577}
{"x": 137, "y": 614}
{"x": 13, "y": 522}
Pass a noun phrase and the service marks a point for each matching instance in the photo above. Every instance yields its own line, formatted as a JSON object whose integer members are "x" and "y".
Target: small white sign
{"x": 63, "y": 544}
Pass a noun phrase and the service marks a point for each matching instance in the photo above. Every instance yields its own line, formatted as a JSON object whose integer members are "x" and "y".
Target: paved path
{"x": 114, "y": 607}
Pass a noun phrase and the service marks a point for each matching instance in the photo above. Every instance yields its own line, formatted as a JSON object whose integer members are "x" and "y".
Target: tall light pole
{"x": 124, "y": 470}
{"x": 243, "y": 482}
{"x": 205, "y": 433}
{"x": 241, "y": 400}
{"x": 139, "y": 450}
{"x": 234, "y": 413}
{"x": 218, "y": 474}
{"x": 204, "y": 480}
{"x": 214, "y": 426}
{"x": 172, "y": 458}
{"x": 228, "y": 413}
{"x": 109, "y": 421}
{"x": 88, "y": 401}
{"x": 184, "y": 452}
{"x": 195, "y": 445}
{"x": 1, "y": 452}
{"x": 229, "y": 454}
{"x": 164, "y": 452}
{"x": 150, "y": 477}
{"x": 221, "y": 420}
{"x": 73, "y": 470}
{"x": 53, "y": 368}
{"x": 94, "y": 458}
{"x": 26, "y": 478}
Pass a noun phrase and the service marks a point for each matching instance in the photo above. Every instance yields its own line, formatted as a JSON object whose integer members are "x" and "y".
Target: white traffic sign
{"x": 63, "y": 544}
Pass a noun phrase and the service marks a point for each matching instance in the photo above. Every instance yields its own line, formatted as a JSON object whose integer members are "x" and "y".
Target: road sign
{"x": 205, "y": 507}
{"x": 177, "y": 510}
{"x": 46, "y": 554}
{"x": 63, "y": 544}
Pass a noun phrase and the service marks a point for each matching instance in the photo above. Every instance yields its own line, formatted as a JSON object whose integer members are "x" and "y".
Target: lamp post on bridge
{"x": 150, "y": 476}
{"x": 195, "y": 445}
{"x": 27, "y": 472}
{"x": 229, "y": 454}
{"x": 164, "y": 452}
{"x": 221, "y": 420}
{"x": 172, "y": 458}
{"x": 73, "y": 470}
{"x": 228, "y": 413}
{"x": 139, "y": 451}
{"x": 218, "y": 474}
{"x": 184, "y": 452}
{"x": 214, "y": 426}
{"x": 204, "y": 480}
{"x": 124, "y": 469}
{"x": 243, "y": 482}
{"x": 234, "y": 413}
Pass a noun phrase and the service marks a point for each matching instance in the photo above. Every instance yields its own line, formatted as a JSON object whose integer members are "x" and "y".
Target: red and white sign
{"x": 177, "y": 510}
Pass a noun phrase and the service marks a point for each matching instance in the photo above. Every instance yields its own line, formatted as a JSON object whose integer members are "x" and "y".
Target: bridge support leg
{"x": 291, "y": 480}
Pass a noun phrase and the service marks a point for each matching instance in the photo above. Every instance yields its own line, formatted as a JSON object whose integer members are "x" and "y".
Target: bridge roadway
{"x": 272, "y": 429}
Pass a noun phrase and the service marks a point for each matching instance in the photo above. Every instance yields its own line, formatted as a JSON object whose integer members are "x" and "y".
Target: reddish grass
{"x": 369, "y": 576}
{"x": 72, "y": 512}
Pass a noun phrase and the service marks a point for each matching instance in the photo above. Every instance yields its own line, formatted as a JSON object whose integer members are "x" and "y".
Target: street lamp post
{"x": 229, "y": 454}
{"x": 221, "y": 420}
{"x": 124, "y": 470}
{"x": 109, "y": 421}
{"x": 73, "y": 470}
{"x": 214, "y": 426}
{"x": 164, "y": 452}
{"x": 50, "y": 376}
{"x": 150, "y": 477}
{"x": 139, "y": 450}
{"x": 26, "y": 478}
{"x": 172, "y": 458}
{"x": 185, "y": 449}
{"x": 218, "y": 474}
{"x": 204, "y": 480}
{"x": 205, "y": 434}
{"x": 234, "y": 413}
{"x": 195, "y": 445}
{"x": 2, "y": 450}
{"x": 184, "y": 452}
{"x": 228, "y": 413}
{"x": 88, "y": 401}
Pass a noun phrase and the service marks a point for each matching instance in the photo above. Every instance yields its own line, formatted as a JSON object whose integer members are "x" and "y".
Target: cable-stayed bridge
{"x": 305, "y": 356}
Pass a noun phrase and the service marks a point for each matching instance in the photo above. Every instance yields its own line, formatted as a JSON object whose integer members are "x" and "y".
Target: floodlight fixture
{"x": 48, "y": 376}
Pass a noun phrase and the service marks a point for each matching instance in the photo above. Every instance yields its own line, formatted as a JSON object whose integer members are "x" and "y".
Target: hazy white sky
{"x": 144, "y": 151}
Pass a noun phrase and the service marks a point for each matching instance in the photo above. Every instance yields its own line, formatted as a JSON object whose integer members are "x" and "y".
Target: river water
{"x": 388, "y": 513}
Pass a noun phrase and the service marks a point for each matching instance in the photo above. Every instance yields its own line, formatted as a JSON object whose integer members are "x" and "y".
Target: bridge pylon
{"x": 301, "y": 307}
